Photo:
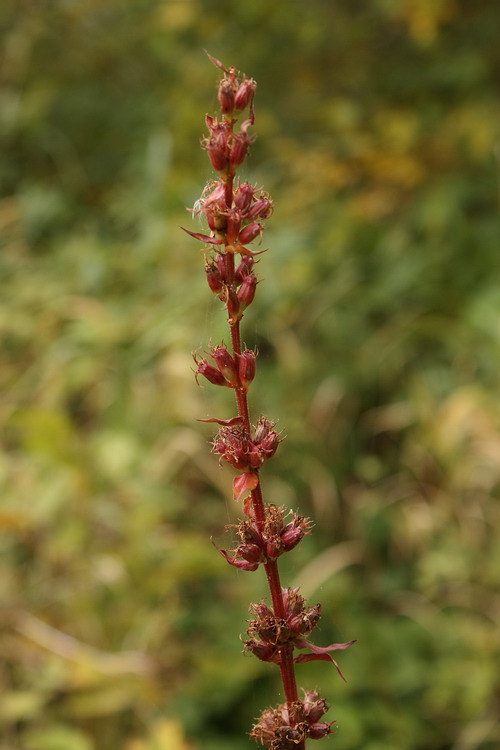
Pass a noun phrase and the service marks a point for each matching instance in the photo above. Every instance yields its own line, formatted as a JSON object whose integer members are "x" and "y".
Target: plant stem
{"x": 287, "y": 667}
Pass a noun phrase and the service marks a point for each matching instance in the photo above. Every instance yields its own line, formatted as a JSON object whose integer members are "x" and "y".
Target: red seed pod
{"x": 210, "y": 373}
{"x": 233, "y": 226}
{"x": 274, "y": 548}
{"x": 262, "y": 651}
{"x": 220, "y": 262}
{"x": 244, "y": 268}
{"x": 263, "y": 427}
{"x": 225, "y": 96}
{"x": 261, "y": 209}
{"x": 239, "y": 149}
{"x": 261, "y": 610}
{"x": 246, "y": 367}
{"x": 290, "y": 537}
{"x": 269, "y": 445}
{"x": 243, "y": 197}
{"x": 246, "y": 292}
{"x": 234, "y": 306}
{"x": 214, "y": 277}
{"x": 217, "y": 143}
{"x": 225, "y": 364}
{"x": 244, "y": 93}
{"x": 320, "y": 729}
{"x": 250, "y": 552}
{"x": 314, "y": 706}
{"x": 250, "y": 232}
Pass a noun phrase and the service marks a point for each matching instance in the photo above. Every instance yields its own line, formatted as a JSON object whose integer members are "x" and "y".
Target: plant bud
{"x": 250, "y": 232}
{"x": 233, "y": 226}
{"x": 314, "y": 706}
{"x": 244, "y": 93}
{"x": 320, "y": 729}
{"x": 244, "y": 268}
{"x": 226, "y": 96}
{"x": 261, "y": 650}
{"x": 246, "y": 367}
{"x": 261, "y": 209}
{"x": 243, "y": 197}
{"x": 239, "y": 149}
{"x": 290, "y": 537}
{"x": 210, "y": 373}
{"x": 246, "y": 292}
{"x": 214, "y": 278}
{"x": 234, "y": 306}
{"x": 225, "y": 364}
{"x": 274, "y": 548}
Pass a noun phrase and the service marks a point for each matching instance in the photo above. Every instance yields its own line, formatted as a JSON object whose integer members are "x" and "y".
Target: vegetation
{"x": 378, "y": 129}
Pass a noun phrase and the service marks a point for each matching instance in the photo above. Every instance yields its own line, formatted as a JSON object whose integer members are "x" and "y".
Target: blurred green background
{"x": 378, "y": 328}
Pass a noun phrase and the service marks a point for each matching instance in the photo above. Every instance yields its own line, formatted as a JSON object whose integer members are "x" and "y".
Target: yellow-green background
{"x": 378, "y": 327}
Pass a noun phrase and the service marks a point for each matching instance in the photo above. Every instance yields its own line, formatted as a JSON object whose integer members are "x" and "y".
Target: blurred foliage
{"x": 379, "y": 335}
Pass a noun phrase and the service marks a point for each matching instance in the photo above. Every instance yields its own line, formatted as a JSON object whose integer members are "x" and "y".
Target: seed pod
{"x": 246, "y": 367}
{"x": 250, "y": 232}
{"x": 244, "y": 93}
{"x": 214, "y": 277}
{"x": 246, "y": 292}
{"x": 210, "y": 373}
{"x": 225, "y": 364}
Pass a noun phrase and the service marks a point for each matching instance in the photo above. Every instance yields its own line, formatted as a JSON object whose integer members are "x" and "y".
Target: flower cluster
{"x": 261, "y": 545}
{"x": 284, "y": 727}
{"x": 227, "y": 149}
{"x": 236, "y": 371}
{"x": 239, "y": 223}
{"x": 244, "y": 451}
{"x": 269, "y": 634}
{"x": 235, "y": 212}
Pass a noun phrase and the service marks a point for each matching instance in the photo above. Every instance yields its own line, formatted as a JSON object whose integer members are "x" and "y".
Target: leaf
{"x": 202, "y": 237}
{"x": 244, "y": 483}
{"x": 321, "y": 653}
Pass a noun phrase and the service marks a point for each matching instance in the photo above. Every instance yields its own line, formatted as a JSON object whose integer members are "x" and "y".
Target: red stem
{"x": 287, "y": 666}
